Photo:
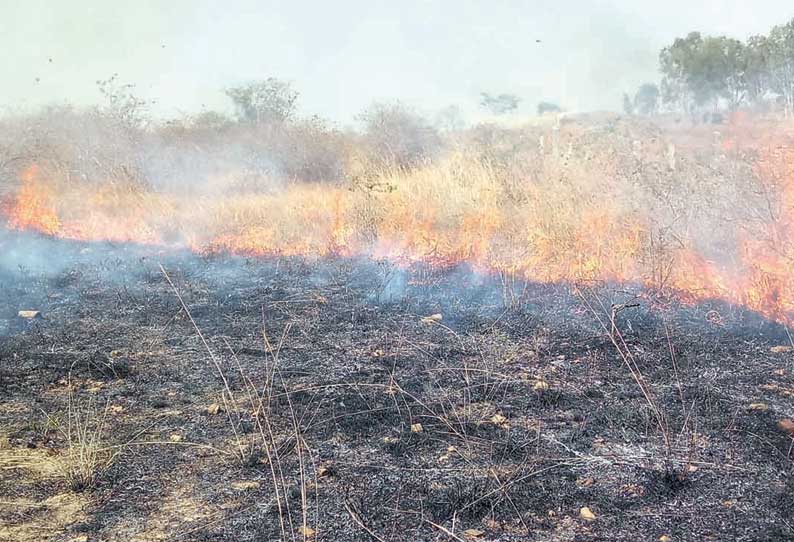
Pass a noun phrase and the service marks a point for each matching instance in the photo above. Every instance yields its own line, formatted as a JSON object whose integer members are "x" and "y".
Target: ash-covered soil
{"x": 360, "y": 418}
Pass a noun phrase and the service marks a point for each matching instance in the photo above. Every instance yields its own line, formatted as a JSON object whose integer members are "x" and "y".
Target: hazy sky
{"x": 342, "y": 55}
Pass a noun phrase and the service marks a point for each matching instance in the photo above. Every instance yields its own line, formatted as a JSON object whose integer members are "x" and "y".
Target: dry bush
{"x": 396, "y": 136}
{"x": 86, "y": 455}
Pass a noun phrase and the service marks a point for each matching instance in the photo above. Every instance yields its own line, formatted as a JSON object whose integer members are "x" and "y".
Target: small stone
{"x": 306, "y": 531}
{"x": 175, "y": 438}
{"x": 787, "y": 426}
{"x": 29, "y": 315}
{"x": 665, "y": 538}
{"x": 540, "y": 385}
{"x": 473, "y": 534}
{"x": 781, "y": 349}
{"x": 213, "y": 409}
{"x": 417, "y": 428}
{"x": 433, "y": 318}
{"x": 586, "y": 514}
{"x": 759, "y": 406}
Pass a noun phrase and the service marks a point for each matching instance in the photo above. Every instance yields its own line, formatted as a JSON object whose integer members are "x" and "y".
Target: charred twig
{"x": 356, "y": 517}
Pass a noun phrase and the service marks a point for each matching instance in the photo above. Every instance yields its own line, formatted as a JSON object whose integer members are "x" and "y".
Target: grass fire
{"x": 246, "y": 321}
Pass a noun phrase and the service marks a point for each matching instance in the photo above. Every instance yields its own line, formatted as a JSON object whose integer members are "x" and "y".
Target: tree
{"x": 781, "y": 63}
{"x": 733, "y": 62}
{"x": 699, "y": 71}
{"x": 268, "y": 101}
{"x": 548, "y": 107}
{"x": 646, "y": 100}
{"x": 757, "y": 77}
{"x": 628, "y": 105}
{"x": 450, "y": 119}
{"x": 499, "y": 105}
{"x": 398, "y": 135}
{"x": 129, "y": 110}
{"x": 675, "y": 63}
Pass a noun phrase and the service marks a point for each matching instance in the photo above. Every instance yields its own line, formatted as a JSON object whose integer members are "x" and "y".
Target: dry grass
{"x": 547, "y": 205}
{"x": 86, "y": 455}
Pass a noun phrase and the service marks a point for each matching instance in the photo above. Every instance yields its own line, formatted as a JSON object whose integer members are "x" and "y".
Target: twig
{"x": 355, "y": 517}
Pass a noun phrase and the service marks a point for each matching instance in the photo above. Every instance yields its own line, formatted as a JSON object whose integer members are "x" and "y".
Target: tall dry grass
{"x": 619, "y": 200}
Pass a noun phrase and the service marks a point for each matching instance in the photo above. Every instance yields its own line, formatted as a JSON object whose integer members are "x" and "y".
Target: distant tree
{"x": 733, "y": 59}
{"x": 676, "y": 63}
{"x": 501, "y": 104}
{"x": 628, "y": 105}
{"x": 702, "y": 71}
{"x": 450, "y": 119}
{"x": 757, "y": 60}
{"x": 268, "y": 101}
{"x": 781, "y": 63}
{"x": 123, "y": 104}
{"x": 398, "y": 135}
{"x": 646, "y": 100}
{"x": 548, "y": 107}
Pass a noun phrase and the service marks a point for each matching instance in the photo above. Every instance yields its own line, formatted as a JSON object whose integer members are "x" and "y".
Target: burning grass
{"x": 711, "y": 222}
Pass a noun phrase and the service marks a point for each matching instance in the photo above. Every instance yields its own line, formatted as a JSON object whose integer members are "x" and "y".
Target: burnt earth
{"x": 498, "y": 422}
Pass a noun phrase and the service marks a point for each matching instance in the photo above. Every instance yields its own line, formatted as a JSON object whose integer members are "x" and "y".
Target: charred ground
{"x": 499, "y": 422}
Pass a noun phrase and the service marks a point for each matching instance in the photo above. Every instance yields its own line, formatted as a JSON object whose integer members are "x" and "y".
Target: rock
{"x": 586, "y": 514}
{"x": 540, "y": 385}
{"x": 433, "y": 318}
{"x": 781, "y": 349}
{"x": 665, "y": 538}
{"x": 759, "y": 406}
{"x": 29, "y": 315}
{"x": 417, "y": 428}
{"x": 473, "y": 534}
{"x": 213, "y": 409}
{"x": 175, "y": 438}
{"x": 787, "y": 426}
{"x": 306, "y": 531}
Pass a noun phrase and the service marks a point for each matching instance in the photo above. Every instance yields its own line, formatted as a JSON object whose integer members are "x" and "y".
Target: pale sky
{"x": 342, "y": 55}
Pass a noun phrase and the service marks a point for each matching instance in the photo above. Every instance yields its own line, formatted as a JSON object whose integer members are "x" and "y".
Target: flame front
{"x": 560, "y": 225}
{"x": 33, "y": 207}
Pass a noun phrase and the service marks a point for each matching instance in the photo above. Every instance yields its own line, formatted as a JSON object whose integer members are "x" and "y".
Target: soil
{"x": 355, "y": 414}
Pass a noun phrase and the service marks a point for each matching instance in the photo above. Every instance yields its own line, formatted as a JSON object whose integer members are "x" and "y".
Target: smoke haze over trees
{"x": 709, "y": 73}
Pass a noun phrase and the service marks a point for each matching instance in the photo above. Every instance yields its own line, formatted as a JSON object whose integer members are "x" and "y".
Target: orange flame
{"x": 33, "y": 208}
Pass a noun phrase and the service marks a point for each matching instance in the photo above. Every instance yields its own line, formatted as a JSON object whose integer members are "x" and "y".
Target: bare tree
{"x": 268, "y": 101}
